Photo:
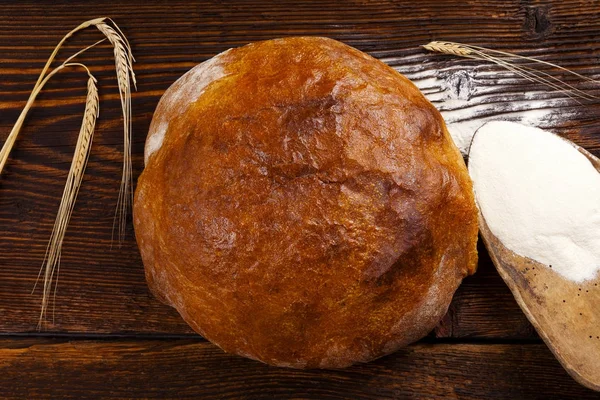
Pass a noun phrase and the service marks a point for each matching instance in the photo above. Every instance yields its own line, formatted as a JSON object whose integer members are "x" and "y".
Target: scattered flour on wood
{"x": 539, "y": 195}
{"x": 469, "y": 96}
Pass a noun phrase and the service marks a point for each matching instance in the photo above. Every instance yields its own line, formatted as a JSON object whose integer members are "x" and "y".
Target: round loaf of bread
{"x": 303, "y": 204}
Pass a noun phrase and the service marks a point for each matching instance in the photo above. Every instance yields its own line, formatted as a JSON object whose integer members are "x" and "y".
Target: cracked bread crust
{"x": 305, "y": 207}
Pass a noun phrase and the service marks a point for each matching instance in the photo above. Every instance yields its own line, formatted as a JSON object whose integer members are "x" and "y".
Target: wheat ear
{"x": 456, "y": 49}
{"x": 125, "y": 75}
{"x": 508, "y": 61}
{"x": 74, "y": 178}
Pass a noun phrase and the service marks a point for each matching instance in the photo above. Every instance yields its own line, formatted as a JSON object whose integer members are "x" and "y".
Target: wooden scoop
{"x": 565, "y": 314}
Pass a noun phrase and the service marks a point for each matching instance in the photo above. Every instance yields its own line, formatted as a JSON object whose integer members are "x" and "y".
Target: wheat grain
{"x": 508, "y": 61}
{"x": 124, "y": 67}
{"x": 74, "y": 179}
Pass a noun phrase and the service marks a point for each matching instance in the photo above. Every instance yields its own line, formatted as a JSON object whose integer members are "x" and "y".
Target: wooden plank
{"x": 178, "y": 369}
{"x": 103, "y": 290}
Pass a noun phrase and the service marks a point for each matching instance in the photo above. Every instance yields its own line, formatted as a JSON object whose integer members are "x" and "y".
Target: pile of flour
{"x": 539, "y": 195}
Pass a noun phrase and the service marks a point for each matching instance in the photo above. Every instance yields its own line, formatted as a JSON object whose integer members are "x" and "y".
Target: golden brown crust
{"x": 306, "y": 207}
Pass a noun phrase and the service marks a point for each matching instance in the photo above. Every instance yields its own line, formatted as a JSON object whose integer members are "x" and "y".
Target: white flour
{"x": 539, "y": 195}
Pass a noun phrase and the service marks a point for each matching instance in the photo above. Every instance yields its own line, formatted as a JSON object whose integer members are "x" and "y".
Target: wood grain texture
{"x": 102, "y": 291}
{"x": 57, "y": 368}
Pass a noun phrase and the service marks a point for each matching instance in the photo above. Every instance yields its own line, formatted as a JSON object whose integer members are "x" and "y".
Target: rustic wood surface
{"x": 80, "y": 369}
{"x": 109, "y": 336}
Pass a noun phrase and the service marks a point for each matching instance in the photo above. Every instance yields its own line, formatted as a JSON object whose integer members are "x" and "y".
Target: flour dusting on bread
{"x": 155, "y": 140}
{"x": 185, "y": 91}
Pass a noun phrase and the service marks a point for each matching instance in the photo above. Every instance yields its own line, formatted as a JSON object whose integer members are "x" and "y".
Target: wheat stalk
{"x": 125, "y": 75}
{"x": 124, "y": 67}
{"x": 74, "y": 179}
{"x": 508, "y": 61}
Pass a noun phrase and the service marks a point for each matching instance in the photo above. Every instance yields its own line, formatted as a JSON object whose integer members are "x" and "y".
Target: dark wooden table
{"x": 109, "y": 337}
